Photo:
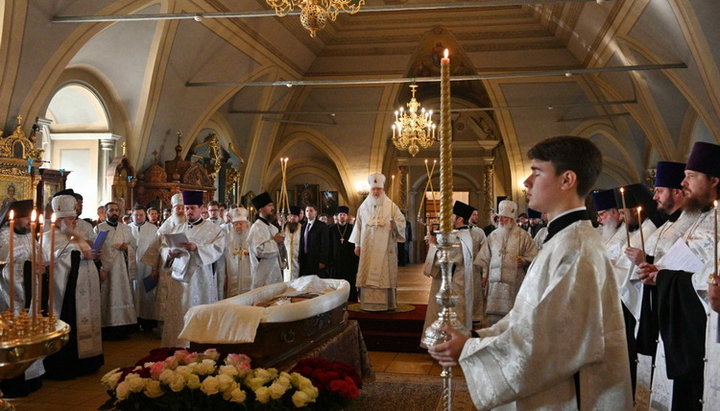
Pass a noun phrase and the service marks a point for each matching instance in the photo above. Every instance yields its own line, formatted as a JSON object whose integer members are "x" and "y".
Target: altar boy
{"x": 562, "y": 346}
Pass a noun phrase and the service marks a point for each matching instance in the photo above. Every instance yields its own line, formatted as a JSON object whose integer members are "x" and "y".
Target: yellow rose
{"x": 277, "y": 390}
{"x": 210, "y": 385}
{"x": 136, "y": 383}
{"x": 311, "y": 391}
{"x": 228, "y": 370}
{"x": 300, "y": 399}
{"x": 237, "y": 395}
{"x": 254, "y": 383}
{"x": 153, "y": 389}
{"x": 262, "y": 395}
{"x": 184, "y": 370}
{"x": 206, "y": 367}
{"x": 224, "y": 382}
{"x": 178, "y": 383}
{"x": 167, "y": 376}
{"x": 122, "y": 391}
{"x": 193, "y": 381}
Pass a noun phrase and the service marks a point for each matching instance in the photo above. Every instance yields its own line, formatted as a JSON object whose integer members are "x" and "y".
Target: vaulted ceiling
{"x": 535, "y": 69}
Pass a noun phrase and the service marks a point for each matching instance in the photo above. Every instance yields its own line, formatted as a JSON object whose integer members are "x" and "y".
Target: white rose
{"x": 193, "y": 381}
{"x": 167, "y": 376}
{"x": 205, "y": 367}
{"x": 311, "y": 391}
{"x": 122, "y": 391}
{"x": 300, "y": 399}
{"x": 230, "y": 370}
{"x": 277, "y": 390}
{"x": 283, "y": 380}
{"x": 254, "y": 383}
{"x": 184, "y": 370}
{"x": 224, "y": 382}
{"x": 262, "y": 395}
{"x": 212, "y": 353}
{"x": 178, "y": 383}
{"x": 153, "y": 389}
{"x": 136, "y": 383}
{"x": 267, "y": 375}
{"x": 210, "y": 385}
{"x": 237, "y": 395}
{"x": 105, "y": 380}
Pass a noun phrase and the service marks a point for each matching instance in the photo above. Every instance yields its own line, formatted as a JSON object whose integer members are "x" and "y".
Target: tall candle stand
{"x": 447, "y": 238}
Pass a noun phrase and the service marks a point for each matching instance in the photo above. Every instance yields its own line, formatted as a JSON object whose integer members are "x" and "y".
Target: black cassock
{"x": 65, "y": 363}
{"x": 344, "y": 262}
{"x": 682, "y": 321}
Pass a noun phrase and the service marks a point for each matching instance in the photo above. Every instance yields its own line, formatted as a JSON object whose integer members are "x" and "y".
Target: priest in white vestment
{"x": 117, "y": 272}
{"x": 510, "y": 249}
{"x": 146, "y": 277}
{"x": 562, "y": 346}
{"x": 464, "y": 271}
{"x": 237, "y": 256}
{"x": 479, "y": 240}
{"x": 263, "y": 240}
{"x": 25, "y": 383}
{"x": 292, "y": 230}
{"x": 77, "y": 295}
{"x": 192, "y": 280}
{"x": 612, "y": 228}
{"x": 379, "y": 226}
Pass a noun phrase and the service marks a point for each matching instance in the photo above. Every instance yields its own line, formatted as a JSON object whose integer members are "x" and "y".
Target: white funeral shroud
{"x": 235, "y": 320}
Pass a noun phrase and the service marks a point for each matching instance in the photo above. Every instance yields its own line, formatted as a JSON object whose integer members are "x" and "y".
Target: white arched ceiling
{"x": 77, "y": 107}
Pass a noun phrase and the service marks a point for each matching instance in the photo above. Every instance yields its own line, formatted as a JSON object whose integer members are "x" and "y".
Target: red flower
{"x": 346, "y": 388}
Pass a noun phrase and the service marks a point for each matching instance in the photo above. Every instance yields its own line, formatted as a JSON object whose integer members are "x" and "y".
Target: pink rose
{"x": 157, "y": 369}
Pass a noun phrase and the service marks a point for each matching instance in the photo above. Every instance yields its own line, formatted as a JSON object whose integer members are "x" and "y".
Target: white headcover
{"x": 508, "y": 209}
{"x": 64, "y": 206}
{"x": 376, "y": 180}
{"x": 238, "y": 214}
{"x": 177, "y": 200}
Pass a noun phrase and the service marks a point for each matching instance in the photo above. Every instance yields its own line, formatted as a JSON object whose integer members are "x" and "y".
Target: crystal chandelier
{"x": 314, "y": 14}
{"x": 412, "y": 130}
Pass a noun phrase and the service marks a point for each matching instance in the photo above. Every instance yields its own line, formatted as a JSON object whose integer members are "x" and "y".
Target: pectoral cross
{"x": 342, "y": 240}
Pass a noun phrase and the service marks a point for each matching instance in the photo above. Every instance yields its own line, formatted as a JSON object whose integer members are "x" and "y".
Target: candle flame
{"x": 714, "y": 203}
{"x": 622, "y": 189}
{"x": 639, "y": 209}
{"x": 446, "y": 53}
{"x": 12, "y": 213}
{"x": 33, "y": 215}
{"x": 53, "y": 218}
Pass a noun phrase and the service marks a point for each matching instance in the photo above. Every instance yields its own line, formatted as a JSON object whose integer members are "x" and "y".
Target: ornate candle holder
{"x": 447, "y": 299}
{"x": 24, "y": 339}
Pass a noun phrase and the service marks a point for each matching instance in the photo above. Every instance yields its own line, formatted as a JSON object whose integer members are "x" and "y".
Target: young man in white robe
{"x": 77, "y": 296}
{"x": 29, "y": 381}
{"x": 503, "y": 262}
{"x": 237, "y": 256}
{"x": 379, "y": 226}
{"x": 263, "y": 241}
{"x": 292, "y": 231}
{"x": 479, "y": 243}
{"x": 146, "y": 278}
{"x": 562, "y": 346}
{"x": 192, "y": 279}
{"x": 117, "y": 273}
{"x": 464, "y": 271}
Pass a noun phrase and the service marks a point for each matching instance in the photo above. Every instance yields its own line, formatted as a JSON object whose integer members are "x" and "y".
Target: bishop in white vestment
{"x": 237, "y": 255}
{"x": 510, "y": 249}
{"x": 117, "y": 272}
{"x": 192, "y": 281}
{"x": 379, "y": 226}
{"x": 77, "y": 296}
{"x": 263, "y": 241}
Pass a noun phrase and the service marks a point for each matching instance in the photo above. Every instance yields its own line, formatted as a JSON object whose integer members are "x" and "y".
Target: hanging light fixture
{"x": 413, "y": 129}
{"x": 314, "y": 14}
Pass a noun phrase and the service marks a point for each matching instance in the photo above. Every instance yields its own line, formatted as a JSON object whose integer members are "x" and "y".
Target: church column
{"x": 107, "y": 150}
{"x": 44, "y": 139}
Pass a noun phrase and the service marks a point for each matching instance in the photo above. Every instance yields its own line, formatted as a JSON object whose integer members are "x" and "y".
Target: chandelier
{"x": 314, "y": 14}
{"x": 412, "y": 130}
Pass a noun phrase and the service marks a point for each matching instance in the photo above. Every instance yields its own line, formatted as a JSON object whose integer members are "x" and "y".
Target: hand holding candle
{"x": 640, "y": 223}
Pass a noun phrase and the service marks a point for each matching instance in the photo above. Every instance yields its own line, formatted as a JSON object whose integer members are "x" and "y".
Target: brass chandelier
{"x": 413, "y": 129}
{"x": 314, "y": 14}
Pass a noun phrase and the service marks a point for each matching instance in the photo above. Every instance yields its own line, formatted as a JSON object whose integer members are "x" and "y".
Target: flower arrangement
{"x": 337, "y": 382}
{"x": 175, "y": 379}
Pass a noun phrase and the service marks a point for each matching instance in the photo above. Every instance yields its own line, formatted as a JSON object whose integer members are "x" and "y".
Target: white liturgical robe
{"x": 292, "y": 245}
{"x": 118, "y": 302}
{"x": 237, "y": 261}
{"x": 192, "y": 280}
{"x": 499, "y": 260}
{"x": 374, "y": 233}
{"x": 145, "y": 235}
{"x": 566, "y": 320}
{"x": 264, "y": 254}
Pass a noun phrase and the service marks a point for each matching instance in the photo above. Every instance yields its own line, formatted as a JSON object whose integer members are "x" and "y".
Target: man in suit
{"x": 314, "y": 244}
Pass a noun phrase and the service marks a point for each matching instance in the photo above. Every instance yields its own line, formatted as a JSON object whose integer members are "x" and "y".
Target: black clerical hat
{"x": 463, "y": 210}
{"x": 22, "y": 208}
{"x": 533, "y": 213}
{"x": 704, "y": 159}
{"x": 261, "y": 200}
{"x": 342, "y": 209}
{"x": 192, "y": 197}
{"x": 66, "y": 192}
{"x": 669, "y": 174}
{"x": 604, "y": 200}
{"x": 295, "y": 210}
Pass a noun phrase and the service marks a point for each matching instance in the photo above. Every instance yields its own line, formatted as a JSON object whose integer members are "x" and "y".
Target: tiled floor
{"x": 87, "y": 394}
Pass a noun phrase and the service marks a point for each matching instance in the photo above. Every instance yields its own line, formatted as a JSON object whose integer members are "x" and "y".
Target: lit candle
{"x": 446, "y": 183}
{"x": 11, "y": 261}
{"x": 642, "y": 236}
{"x": 51, "y": 268}
{"x": 35, "y": 290}
{"x": 627, "y": 227}
{"x": 392, "y": 186}
{"x": 41, "y": 230}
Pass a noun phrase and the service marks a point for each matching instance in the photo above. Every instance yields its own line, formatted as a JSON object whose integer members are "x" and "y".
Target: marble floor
{"x": 86, "y": 393}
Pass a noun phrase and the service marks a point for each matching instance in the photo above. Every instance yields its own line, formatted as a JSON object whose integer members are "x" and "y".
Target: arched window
{"x": 80, "y": 141}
